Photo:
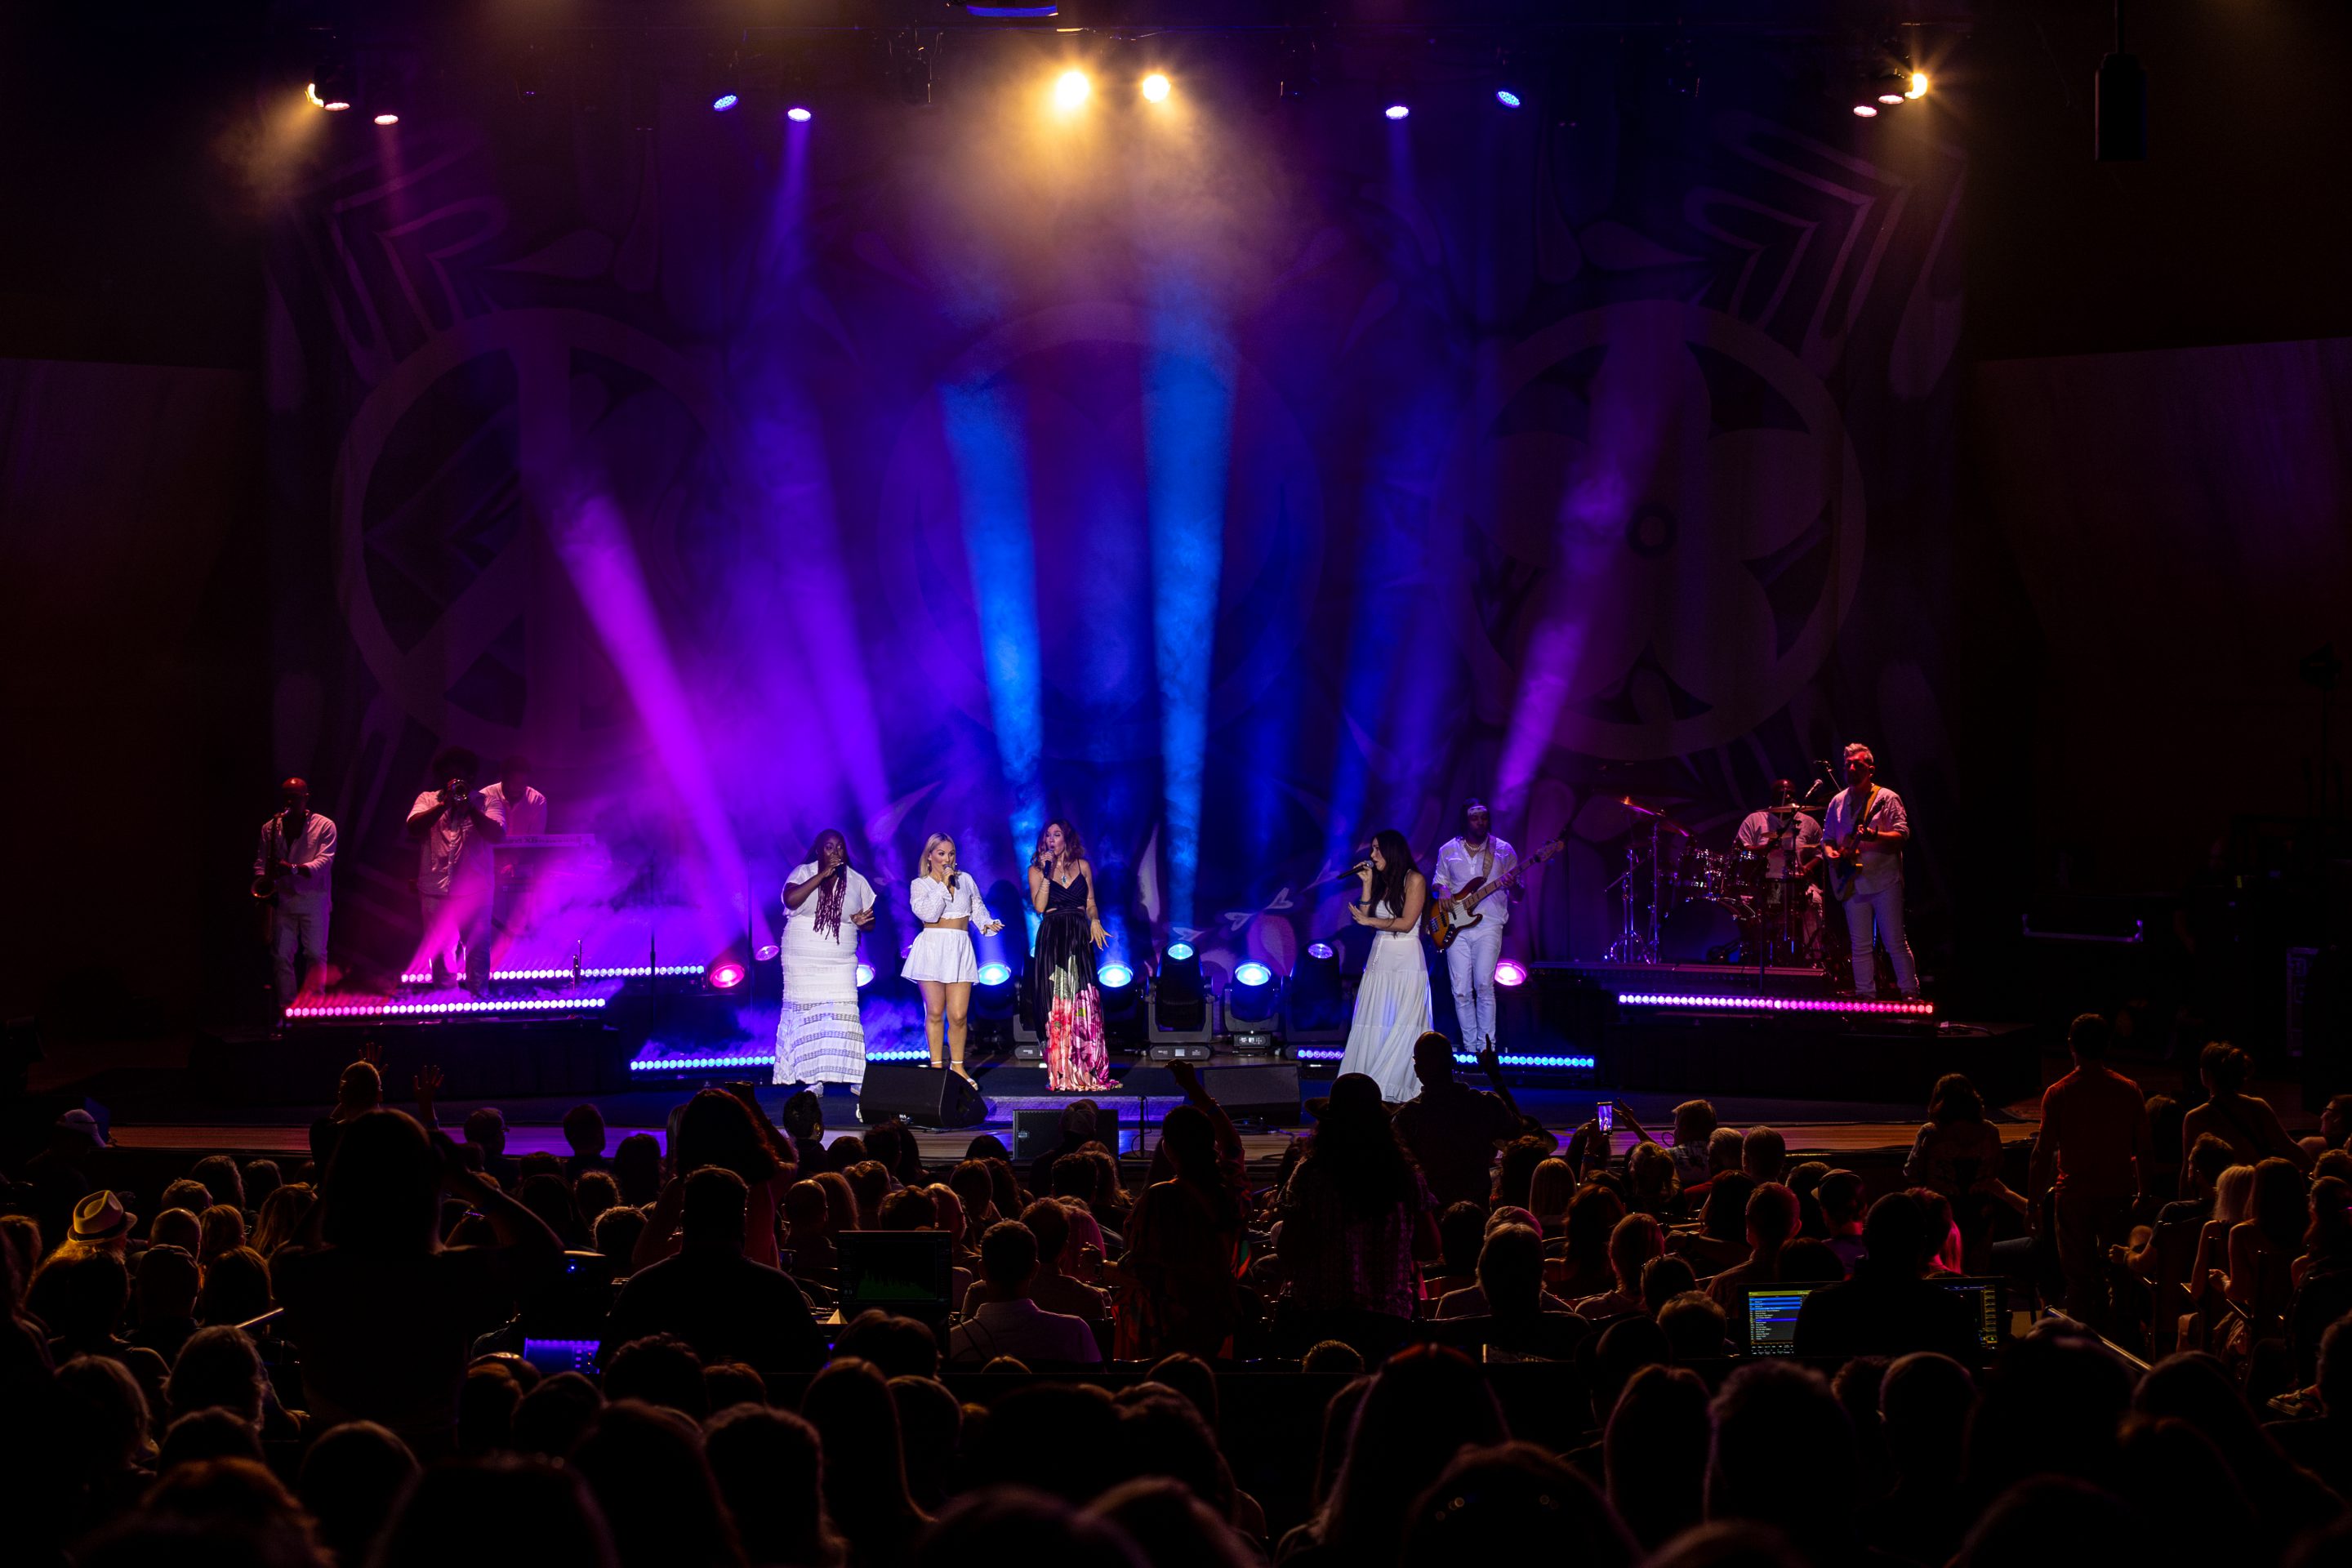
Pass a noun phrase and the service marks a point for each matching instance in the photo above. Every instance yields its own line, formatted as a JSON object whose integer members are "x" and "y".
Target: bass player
{"x": 1471, "y": 957}
{"x": 1863, "y": 834}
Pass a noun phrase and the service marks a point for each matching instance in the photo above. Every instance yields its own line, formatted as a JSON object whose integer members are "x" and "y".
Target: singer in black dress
{"x": 1065, "y": 1003}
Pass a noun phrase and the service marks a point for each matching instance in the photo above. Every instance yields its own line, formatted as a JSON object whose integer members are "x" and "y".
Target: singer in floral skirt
{"x": 1064, "y": 1003}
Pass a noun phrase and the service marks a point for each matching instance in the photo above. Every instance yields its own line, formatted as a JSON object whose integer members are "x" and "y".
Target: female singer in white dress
{"x": 819, "y": 1038}
{"x": 947, "y": 901}
{"x": 1392, "y": 1001}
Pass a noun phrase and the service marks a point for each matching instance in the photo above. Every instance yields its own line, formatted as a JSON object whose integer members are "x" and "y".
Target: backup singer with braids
{"x": 819, "y": 1037}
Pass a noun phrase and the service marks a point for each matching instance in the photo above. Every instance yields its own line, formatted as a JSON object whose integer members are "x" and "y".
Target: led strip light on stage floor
{"x": 636, "y": 972}
{"x": 419, "y": 1009}
{"x": 1772, "y": 1004}
{"x": 751, "y": 1059}
{"x": 1333, "y": 1053}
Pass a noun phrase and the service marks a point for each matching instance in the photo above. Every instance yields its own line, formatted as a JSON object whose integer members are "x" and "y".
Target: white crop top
{"x": 931, "y": 901}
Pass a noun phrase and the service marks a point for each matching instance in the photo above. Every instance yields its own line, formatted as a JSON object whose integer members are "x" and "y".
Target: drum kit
{"x": 1776, "y": 914}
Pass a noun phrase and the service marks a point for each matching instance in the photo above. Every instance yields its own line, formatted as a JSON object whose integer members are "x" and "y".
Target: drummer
{"x": 1789, "y": 837}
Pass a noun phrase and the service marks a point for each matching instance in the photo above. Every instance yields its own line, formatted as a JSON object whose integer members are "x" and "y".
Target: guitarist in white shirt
{"x": 1471, "y": 957}
{"x": 1863, "y": 834}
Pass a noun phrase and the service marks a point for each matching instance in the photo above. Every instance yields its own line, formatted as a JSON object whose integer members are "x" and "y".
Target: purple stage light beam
{"x": 590, "y": 538}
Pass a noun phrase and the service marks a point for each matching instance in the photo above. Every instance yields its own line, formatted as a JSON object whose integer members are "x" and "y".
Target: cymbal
{"x": 1644, "y": 808}
{"x": 1785, "y": 810}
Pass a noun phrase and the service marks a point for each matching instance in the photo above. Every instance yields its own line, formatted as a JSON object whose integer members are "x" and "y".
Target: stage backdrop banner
{"x": 1232, "y": 485}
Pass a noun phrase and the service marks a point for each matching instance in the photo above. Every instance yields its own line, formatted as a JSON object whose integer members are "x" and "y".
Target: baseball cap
{"x": 82, "y": 1121}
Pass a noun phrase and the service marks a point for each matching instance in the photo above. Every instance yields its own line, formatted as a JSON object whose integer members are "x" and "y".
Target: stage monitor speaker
{"x": 1267, "y": 1093}
{"x": 926, "y": 1096}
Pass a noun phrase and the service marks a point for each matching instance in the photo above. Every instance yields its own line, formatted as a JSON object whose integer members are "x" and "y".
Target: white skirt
{"x": 819, "y": 1036}
{"x": 1392, "y": 1013}
{"x": 943, "y": 955}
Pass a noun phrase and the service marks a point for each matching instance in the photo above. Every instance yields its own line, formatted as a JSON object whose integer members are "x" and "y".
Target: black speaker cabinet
{"x": 1265, "y": 1093}
{"x": 926, "y": 1096}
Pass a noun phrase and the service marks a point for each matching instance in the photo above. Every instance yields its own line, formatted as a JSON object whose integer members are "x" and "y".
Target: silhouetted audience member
{"x": 1888, "y": 1307}
{"x": 644, "y": 1465}
{"x": 1656, "y": 1452}
{"x": 660, "y": 1369}
{"x": 1490, "y": 1504}
{"x": 350, "y": 1478}
{"x": 495, "y": 1513}
{"x": 767, "y": 1466}
{"x": 383, "y": 1315}
{"x": 863, "y": 1467}
{"x": 718, "y": 1300}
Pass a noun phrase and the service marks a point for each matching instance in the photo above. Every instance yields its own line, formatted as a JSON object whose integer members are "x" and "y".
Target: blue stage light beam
{"x": 984, "y": 438}
{"x": 1188, "y": 430}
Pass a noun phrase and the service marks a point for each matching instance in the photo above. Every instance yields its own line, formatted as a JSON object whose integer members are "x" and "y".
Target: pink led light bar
{"x": 417, "y": 1009}
{"x": 625, "y": 972}
{"x": 1774, "y": 1004}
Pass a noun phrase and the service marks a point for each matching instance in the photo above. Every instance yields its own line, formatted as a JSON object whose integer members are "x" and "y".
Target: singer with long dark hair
{"x": 819, "y": 1036}
{"x": 1392, "y": 1002}
{"x": 1065, "y": 1004}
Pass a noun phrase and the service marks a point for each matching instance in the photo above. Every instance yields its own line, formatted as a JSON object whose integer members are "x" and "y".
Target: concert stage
{"x": 1670, "y": 1028}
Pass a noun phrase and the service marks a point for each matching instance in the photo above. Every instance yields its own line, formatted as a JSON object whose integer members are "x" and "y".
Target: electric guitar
{"x": 1449, "y": 918}
{"x": 1841, "y": 861}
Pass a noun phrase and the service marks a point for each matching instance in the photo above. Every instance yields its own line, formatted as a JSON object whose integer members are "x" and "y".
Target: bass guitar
{"x": 1449, "y": 918}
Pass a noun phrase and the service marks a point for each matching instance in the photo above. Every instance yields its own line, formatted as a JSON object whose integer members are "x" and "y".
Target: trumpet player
{"x": 293, "y": 874}
{"x": 456, "y": 829}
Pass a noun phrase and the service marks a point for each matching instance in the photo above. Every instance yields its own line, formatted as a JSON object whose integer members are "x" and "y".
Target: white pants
{"x": 297, "y": 925}
{"x": 1884, "y": 910}
{"x": 1470, "y": 960}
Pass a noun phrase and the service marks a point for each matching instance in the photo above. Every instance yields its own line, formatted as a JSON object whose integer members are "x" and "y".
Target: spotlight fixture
{"x": 1071, "y": 89}
{"x": 1315, "y": 1007}
{"x": 1890, "y": 98}
{"x": 1510, "y": 972}
{"x": 722, "y": 80}
{"x": 1397, "y": 110}
{"x": 1254, "y": 1009}
{"x": 1122, "y": 1004}
{"x": 1506, "y": 97}
{"x": 1865, "y": 111}
{"x": 1156, "y": 88}
{"x": 331, "y": 79}
{"x": 725, "y": 974}
{"x": 1181, "y": 1015}
{"x": 993, "y": 1004}
{"x": 865, "y": 974}
{"x": 798, "y": 115}
{"x": 1917, "y": 87}
{"x": 387, "y": 119}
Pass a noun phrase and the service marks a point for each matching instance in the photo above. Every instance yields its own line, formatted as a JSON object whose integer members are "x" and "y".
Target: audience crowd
{"x": 1434, "y": 1335}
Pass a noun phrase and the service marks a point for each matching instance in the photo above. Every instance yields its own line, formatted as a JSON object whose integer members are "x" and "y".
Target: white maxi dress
{"x": 1392, "y": 1012}
{"x": 819, "y": 1036}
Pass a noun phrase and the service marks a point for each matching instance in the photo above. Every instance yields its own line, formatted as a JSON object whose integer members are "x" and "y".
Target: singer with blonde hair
{"x": 941, "y": 962}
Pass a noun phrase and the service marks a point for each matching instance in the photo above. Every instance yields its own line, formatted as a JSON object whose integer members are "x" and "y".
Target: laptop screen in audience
{"x": 1983, "y": 1297}
{"x": 1772, "y": 1318}
{"x": 904, "y": 1271}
